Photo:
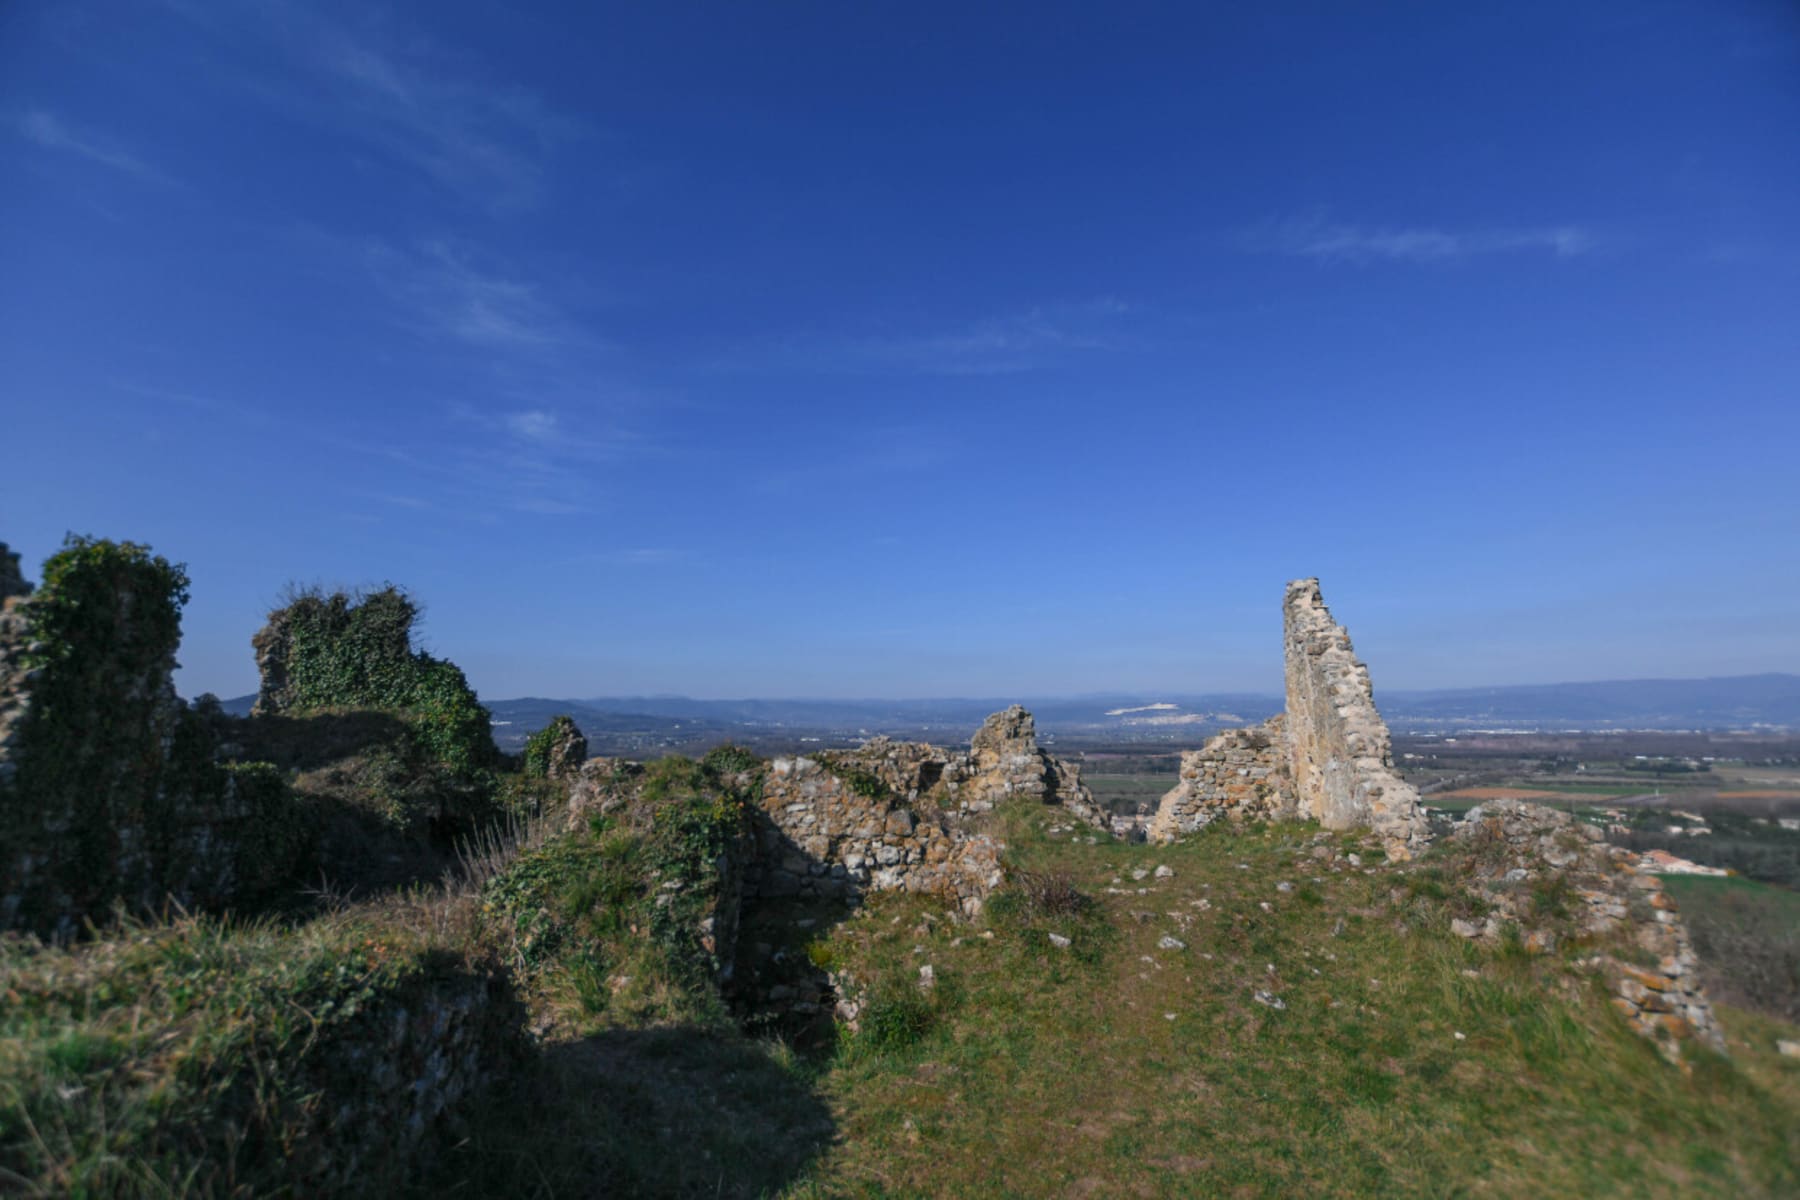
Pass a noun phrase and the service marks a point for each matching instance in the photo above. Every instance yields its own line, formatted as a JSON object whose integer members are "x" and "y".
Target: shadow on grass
{"x": 673, "y": 1112}
{"x": 383, "y": 816}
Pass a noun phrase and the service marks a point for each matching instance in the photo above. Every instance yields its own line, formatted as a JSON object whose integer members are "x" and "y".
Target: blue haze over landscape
{"x": 921, "y": 350}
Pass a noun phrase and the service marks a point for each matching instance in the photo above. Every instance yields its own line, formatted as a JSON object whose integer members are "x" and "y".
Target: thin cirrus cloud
{"x": 1360, "y": 245}
{"x": 444, "y": 290}
{"x": 484, "y": 141}
{"x": 397, "y": 92}
{"x": 53, "y": 133}
{"x": 1008, "y": 343}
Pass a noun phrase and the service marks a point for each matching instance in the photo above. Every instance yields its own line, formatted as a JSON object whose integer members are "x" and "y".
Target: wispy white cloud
{"x": 1024, "y": 340}
{"x": 536, "y": 460}
{"x": 487, "y": 141}
{"x": 887, "y": 452}
{"x": 1358, "y": 245}
{"x": 534, "y": 425}
{"x": 53, "y": 133}
{"x": 399, "y": 93}
{"x": 445, "y": 290}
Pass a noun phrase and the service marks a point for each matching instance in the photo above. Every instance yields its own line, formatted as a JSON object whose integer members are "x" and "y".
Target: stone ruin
{"x": 889, "y": 816}
{"x": 1327, "y": 759}
{"x": 112, "y": 791}
{"x": 1645, "y": 955}
{"x": 896, "y": 816}
{"x": 1243, "y": 773}
{"x": 12, "y": 577}
{"x": 15, "y": 691}
{"x": 829, "y": 836}
{"x": 566, "y": 751}
{"x": 1343, "y": 762}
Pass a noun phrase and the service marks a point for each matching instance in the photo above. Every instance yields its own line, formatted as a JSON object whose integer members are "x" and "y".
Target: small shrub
{"x": 1427, "y": 884}
{"x": 731, "y": 759}
{"x": 864, "y": 783}
{"x": 1050, "y": 894}
{"x": 895, "y": 1017}
{"x": 1552, "y": 895}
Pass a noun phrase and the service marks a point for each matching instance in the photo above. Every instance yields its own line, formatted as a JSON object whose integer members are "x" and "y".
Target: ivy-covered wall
{"x": 638, "y": 907}
{"x": 210, "y": 1059}
{"x": 111, "y": 791}
{"x": 342, "y": 651}
{"x": 557, "y": 750}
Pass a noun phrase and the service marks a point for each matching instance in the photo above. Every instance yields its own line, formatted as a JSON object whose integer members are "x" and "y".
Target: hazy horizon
{"x": 921, "y": 351}
{"x": 1275, "y": 692}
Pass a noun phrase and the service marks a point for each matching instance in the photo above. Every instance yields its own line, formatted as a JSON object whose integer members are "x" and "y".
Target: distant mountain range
{"x": 643, "y": 722}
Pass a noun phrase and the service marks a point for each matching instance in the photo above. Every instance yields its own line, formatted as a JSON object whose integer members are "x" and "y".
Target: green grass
{"x": 188, "y": 1059}
{"x": 605, "y": 921}
{"x": 1119, "y": 1067}
{"x": 1747, "y": 934}
{"x": 1123, "y": 793}
{"x": 666, "y": 1110}
{"x": 1650, "y": 784}
{"x": 1709, "y": 893}
{"x": 1117, "y": 1064}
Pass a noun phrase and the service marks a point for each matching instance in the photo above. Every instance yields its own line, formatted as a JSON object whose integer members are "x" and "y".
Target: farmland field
{"x": 1124, "y": 793}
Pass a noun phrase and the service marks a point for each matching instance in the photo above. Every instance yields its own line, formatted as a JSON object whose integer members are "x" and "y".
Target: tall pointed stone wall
{"x": 1328, "y": 759}
{"x": 1342, "y": 759}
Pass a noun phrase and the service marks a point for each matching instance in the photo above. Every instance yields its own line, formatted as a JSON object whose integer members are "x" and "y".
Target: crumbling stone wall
{"x": 1523, "y": 853}
{"x": 1005, "y": 760}
{"x": 12, "y": 577}
{"x": 15, "y": 673}
{"x": 557, "y": 750}
{"x": 891, "y": 816}
{"x": 1328, "y": 758}
{"x": 601, "y": 786}
{"x": 390, "y": 1084}
{"x": 834, "y": 832}
{"x": 1241, "y": 773}
{"x": 1342, "y": 759}
{"x": 250, "y": 1061}
{"x": 111, "y": 789}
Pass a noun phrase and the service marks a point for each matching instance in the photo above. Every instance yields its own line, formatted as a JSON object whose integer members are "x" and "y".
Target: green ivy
{"x": 538, "y": 749}
{"x": 343, "y": 651}
{"x": 118, "y": 796}
{"x": 100, "y": 633}
{"x": 647, "y": 878}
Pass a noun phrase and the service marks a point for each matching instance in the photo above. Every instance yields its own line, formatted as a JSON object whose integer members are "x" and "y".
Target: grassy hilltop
{"x": 530, "y": 977}
{"x": 1385, "y": 1057}
{"x": 1253, "y": 1013}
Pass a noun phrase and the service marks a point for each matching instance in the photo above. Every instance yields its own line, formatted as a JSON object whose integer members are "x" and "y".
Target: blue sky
{"x": 921, "y": 350}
